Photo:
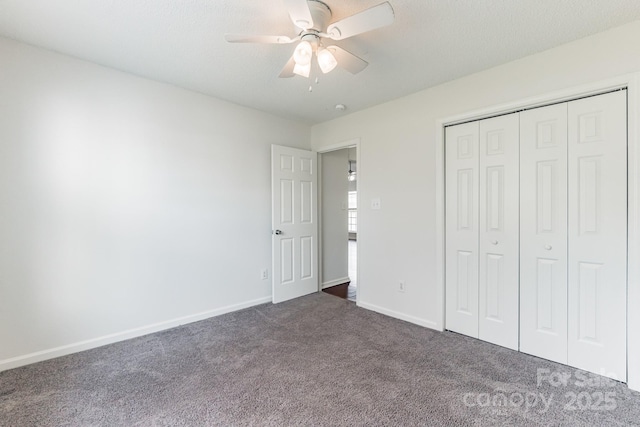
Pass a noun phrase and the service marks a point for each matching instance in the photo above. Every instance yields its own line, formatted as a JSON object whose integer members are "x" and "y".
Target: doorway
{"x": 352, "y": 224}
{"x": 339, "y": 219}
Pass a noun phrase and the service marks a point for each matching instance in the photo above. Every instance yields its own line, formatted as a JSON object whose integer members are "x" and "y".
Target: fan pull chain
{"x": 317, "y": 80}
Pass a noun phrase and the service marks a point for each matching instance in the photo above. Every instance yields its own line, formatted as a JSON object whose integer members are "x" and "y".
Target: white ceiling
{"x": 182, "y": 42}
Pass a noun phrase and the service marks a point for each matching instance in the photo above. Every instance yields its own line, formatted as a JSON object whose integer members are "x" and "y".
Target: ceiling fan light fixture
{"x": 326, "y": 60}
{"x": 313, "y": 17}
{"x": 302, "y": 70}
{"x": 303, "y": 53}
{"x": 351, "y": 175}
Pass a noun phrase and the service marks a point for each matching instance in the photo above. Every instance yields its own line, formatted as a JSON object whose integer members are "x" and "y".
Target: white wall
{"x": 335, "y": 236}
{"x": 124, "y": 203}
{"x": 397, "y": 163}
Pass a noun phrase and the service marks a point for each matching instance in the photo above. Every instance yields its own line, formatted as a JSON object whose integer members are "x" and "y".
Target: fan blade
{"x": 299, "y": 13}
{"x": 376, "y": 17}
{"x": 348, "y": 60}
{"x": 287, "y": 71}
{"x": 241, "y": 38}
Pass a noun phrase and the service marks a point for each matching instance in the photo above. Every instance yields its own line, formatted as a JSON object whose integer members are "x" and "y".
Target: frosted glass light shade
{"x": 302, "y": 70}
{"x": 326, "y": 60}
{"x": 303, "y": 53}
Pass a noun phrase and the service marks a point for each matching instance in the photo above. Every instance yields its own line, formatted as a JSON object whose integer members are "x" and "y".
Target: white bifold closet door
{"x": 462, "y": 188}
{"x": 597, "y": 182}
{"x": 573, "y": 228}
{"x": 536, "y": 232}
{"x": 543, "y": 232}
{"x": 482, "y": 229}
{"x": 499, "y": 218}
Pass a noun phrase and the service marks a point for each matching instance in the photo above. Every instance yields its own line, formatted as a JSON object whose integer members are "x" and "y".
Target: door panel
{"x": 597, "y": 179}
{"x": 498, "y": 237}
{"x": 286, "y": 260}
{"x": 543, "y": 232}
{"x": 461, "y": 154}
{"x": 286, "y": 201}
{"x": 293, "y": 189}
{"x": 495, "y": 284}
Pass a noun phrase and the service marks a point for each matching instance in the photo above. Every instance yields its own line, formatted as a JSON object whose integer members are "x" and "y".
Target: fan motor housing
{"x": 321, "y": 14}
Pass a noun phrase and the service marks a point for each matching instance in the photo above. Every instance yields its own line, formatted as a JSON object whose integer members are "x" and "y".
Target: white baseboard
{"x": 411, "y": 319}
{"x": 64, "y": 350}
{"x": 335, "y": 282}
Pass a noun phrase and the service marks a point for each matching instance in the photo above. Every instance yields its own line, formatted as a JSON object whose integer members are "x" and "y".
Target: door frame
{"x": 632, "y": 83}
{"x": 350, "y": 143}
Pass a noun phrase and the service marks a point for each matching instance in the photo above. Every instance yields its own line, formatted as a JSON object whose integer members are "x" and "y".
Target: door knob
{"x": 548, "y": 247}
{"x": 277, "y": 232}
{"x": 494, "y": 242}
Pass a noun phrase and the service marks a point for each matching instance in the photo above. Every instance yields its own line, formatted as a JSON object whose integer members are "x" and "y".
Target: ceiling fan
{"x": 313, "y": 18}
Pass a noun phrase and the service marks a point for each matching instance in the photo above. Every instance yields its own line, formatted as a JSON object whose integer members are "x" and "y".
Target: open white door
{"x": 294, "y": 222}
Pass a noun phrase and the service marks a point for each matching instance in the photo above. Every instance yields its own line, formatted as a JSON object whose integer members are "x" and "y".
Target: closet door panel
{"x": 598, "y": 234}
{"x": 498, "y": 239}
{"x": 462, "y": 186}
{"x": 543, "y": 232}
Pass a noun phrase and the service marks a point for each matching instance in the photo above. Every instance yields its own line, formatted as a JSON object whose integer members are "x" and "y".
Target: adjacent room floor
{"x": 317, "y": 360}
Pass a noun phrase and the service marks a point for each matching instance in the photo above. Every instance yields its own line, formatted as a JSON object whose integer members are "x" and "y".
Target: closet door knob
{"x": 494, "y": 242}
{"x": 548, "y": 247}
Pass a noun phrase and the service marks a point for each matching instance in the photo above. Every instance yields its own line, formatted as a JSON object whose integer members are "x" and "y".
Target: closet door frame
{"x": 631, "y": 82}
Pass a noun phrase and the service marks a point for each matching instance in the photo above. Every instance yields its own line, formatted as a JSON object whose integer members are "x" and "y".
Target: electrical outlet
{"x": 402, "y": 286}
{"x": 375, "y": 204}
{"x": 264, "y": 274}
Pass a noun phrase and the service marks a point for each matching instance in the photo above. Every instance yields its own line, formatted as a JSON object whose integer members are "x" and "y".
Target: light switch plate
{"x": 375, "y": 204}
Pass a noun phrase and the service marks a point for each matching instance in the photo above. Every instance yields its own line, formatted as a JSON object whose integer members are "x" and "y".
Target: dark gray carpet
{"x": 318, "y": 360}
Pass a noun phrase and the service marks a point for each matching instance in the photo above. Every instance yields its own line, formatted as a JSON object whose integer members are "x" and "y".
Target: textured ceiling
{"x": 182, "y": 42}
